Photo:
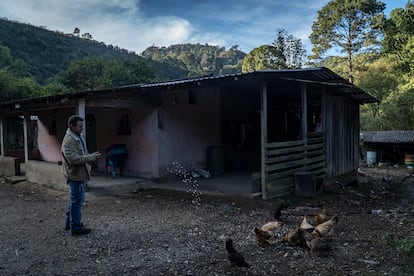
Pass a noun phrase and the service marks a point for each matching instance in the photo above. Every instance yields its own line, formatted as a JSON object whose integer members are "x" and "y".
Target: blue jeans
{"x": 76, "y": 198}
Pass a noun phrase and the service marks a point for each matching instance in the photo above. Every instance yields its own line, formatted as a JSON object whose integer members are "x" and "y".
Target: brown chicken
{"x": 234, "y": 256}
{"x": 315, "y": 243}
{"x": 305, "y": 225}
{"x": 271, "y": 226}
{"x": 293, "y": 237}
{"x": 326, "y": 228}
{"x": 320, "y": 217}
{"x": 261, "y": 237}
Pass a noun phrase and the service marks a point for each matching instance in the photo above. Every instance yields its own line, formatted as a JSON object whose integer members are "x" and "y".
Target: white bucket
{"x": 371, "y": 157}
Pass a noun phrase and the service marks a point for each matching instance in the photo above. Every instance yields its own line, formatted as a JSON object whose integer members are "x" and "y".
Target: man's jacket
{"x": 75, "y": 162}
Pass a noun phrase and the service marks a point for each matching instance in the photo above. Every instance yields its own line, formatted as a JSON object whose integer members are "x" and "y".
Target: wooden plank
{"x": 285, "y": 151}
{"x": 274, "y": 184}
{"x": 316, "y": 140}
{"x": 285, "y": 158}
{"x": 279, "y": 175}
{"x": 285, "y": 165}
{"x": 284, "y": 144}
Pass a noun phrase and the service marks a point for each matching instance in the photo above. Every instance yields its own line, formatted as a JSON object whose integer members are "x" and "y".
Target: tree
{"x": 399, "y": 28}
{"x": 286, "y": 52}
{"x": 353, "y": 26}
{"x": 259, "y": 58}
{"x": 289, "y": 50}
{"x": 76, "y": 31}
{"x": 94, "y": 73}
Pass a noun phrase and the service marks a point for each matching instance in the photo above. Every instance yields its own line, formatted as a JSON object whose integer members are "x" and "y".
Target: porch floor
{"x": 233, "y": 183}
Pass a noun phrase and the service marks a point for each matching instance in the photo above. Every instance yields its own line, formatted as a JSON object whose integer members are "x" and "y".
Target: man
{"x": 76, "y": 169}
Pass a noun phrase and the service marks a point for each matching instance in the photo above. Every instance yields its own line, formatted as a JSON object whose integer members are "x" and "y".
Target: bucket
{"x": 408, "y": 159}
{"x": 371, "y": 157}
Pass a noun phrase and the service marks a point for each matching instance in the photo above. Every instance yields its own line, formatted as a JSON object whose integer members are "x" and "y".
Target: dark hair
{"x": 73, "y": 120}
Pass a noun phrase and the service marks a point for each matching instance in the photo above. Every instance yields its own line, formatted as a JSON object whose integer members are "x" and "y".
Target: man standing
{"x": 76, "y": 169}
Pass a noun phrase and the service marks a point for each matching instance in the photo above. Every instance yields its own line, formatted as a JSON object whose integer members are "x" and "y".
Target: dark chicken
{"x": 234, "y": 256}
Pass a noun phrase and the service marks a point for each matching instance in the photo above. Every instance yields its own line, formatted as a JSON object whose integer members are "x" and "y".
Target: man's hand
{"x": 97, "y": 154}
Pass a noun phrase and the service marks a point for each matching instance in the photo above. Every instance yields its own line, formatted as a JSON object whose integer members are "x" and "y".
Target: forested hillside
{"x": 198, "y": 59}
{"x": 47, "y": 53}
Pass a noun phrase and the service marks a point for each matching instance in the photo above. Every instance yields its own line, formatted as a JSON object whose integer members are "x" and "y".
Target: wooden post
{"x": 263, "y": 120}
{"x": 304, "y": 113}
{"x": 26, "y": 122}
{"x": 2, "y": 148}
{"x": 80, "y": 110}
{"x": 305, "y": 120}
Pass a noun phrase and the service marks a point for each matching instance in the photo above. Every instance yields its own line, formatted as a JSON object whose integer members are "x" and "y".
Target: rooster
{"x": 234, "y": 256}
{"x": 326, "y": 228}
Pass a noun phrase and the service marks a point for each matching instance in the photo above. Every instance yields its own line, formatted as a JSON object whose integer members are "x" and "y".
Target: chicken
{"x": 326, "y": 228}
{"x": 261, "y": 237}
{"x": 315, "y": 243}
{"x": 234, "y": 256}
{"x": 320, "y": 217}
{"x": 305, "y": 225}
{"x": 278, "y": 210}
{"x": 293, "y": 237}
{"x": 271, "y": 226}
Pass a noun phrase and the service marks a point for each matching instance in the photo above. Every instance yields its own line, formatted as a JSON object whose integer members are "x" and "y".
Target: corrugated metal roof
{"x": 320, "y": 75}
{"x": 388, "y": 136}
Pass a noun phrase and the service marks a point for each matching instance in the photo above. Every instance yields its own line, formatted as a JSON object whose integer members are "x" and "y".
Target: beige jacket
{"x": 75, "y": 163}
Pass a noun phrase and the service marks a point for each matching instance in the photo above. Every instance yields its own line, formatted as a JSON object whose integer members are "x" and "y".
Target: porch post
{"x": 304, "y": 113}
{"x": 80, "y": 110}
{"x": 2, "y": 136}
{"x": 26, "y": 123}
{"x": 263, "y": 120}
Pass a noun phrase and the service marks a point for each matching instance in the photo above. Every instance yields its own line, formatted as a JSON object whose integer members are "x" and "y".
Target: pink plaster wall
{"x": 142, "y": 144}
{"x": 188, "y": 129}
{"x": 49, "y": 145}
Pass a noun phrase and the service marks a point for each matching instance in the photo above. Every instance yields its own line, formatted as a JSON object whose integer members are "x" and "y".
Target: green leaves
{"x": 94, "y": 73}
{"x": 286, "y": 52}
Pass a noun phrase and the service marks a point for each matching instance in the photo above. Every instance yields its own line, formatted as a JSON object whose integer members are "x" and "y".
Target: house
{"x": 271, "y": 123}
{"x": 388, "y": 146}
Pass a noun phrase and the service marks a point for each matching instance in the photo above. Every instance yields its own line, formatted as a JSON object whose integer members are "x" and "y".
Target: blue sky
{"x": 138, "y": 24}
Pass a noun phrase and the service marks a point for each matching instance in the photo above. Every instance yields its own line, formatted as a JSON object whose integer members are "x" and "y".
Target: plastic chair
{"x": 115, "y": 158}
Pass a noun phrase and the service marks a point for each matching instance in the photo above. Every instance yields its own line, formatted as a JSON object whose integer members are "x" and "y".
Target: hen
{"x": 320, "y": 217}
{"x": 261, "y": 237}
{"x": 293, "y": 237}
{"x": 326, "y": 228}
{"x": 305, "y": 225}
{"x": 315, "y": 243}
{"x": 234, "y": 256}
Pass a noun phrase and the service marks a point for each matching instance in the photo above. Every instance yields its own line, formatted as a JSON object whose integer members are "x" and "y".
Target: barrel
{"x": 371, "y": 157}
{"x": 408, "y": 159}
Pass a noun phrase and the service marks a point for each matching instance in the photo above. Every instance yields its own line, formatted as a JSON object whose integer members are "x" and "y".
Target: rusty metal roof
{"x": 388, "y": 136}
{"x": 319, "y": 76}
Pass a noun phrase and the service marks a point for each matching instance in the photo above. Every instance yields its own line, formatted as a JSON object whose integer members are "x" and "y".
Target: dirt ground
{"x": 155, "y": 232}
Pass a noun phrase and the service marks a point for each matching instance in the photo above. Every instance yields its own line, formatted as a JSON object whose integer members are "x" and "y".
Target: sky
{"x": 137, "y": 24}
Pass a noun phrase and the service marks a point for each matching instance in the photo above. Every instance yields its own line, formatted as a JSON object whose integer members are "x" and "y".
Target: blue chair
{"x": 115, "y": 158}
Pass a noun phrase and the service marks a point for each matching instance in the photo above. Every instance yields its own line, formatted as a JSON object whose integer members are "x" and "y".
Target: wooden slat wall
{"x": 342, "y": 128}
{"x": 284, "y": 159}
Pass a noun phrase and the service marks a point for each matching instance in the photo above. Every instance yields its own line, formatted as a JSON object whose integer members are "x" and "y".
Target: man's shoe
{"x": 83, "y": 231}
{"x": 68, "y": 227}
